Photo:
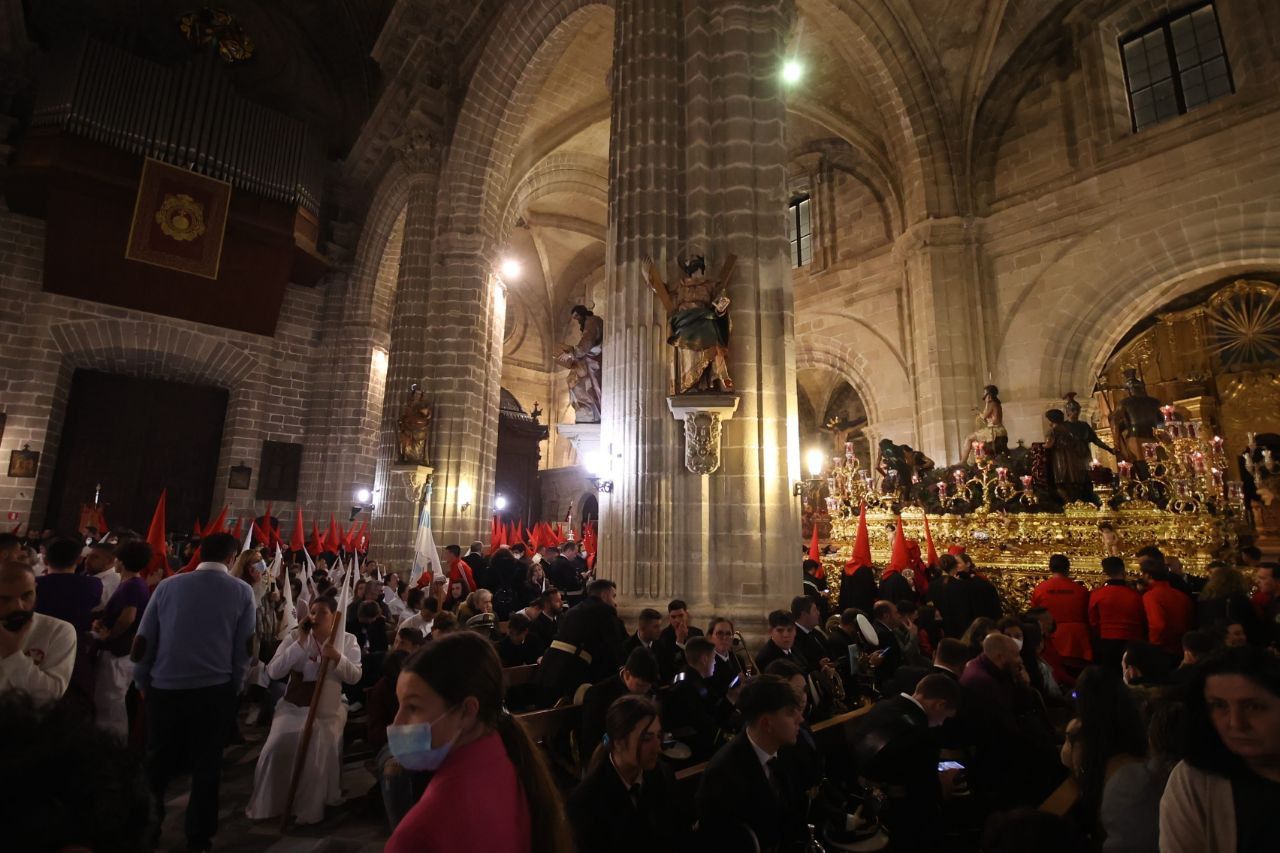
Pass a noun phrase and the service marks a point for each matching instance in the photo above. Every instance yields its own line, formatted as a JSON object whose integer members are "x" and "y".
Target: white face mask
{"x": 1017, "y": 641}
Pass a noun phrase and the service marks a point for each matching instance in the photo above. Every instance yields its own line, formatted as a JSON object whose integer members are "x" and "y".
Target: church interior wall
{"x": 44, "y": 337}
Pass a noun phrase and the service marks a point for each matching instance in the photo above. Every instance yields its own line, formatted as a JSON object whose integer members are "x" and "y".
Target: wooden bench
{"x": 549, "y": 725}
{"x": 514, "y": 676}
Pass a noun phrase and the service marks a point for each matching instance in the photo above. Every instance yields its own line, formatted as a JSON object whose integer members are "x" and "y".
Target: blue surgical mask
{"x": 411, "y": 745}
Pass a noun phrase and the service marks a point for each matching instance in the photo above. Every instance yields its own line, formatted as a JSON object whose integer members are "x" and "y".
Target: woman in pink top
{"x": 487, "y": 770}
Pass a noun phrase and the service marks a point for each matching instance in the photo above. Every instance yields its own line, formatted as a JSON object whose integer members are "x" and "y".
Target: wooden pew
{"x": 514, "y": 676}
{"x": 552, "y": 730}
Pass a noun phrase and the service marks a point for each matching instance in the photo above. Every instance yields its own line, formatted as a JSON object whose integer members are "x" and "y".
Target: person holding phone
{"x": 37, "y": 652}
{"x": 897, "y": 750}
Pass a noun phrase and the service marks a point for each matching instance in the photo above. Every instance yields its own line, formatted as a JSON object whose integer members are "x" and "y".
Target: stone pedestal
{"x": 585, "y": 439}
{"x": 702, "y": 416}
{"x": 408, "y": 482}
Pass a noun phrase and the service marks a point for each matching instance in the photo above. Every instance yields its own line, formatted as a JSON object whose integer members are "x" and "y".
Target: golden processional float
{"x": 999, "y": 510}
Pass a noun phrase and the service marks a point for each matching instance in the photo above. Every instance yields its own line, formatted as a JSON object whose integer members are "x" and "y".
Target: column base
{"x": 703, "y": 415}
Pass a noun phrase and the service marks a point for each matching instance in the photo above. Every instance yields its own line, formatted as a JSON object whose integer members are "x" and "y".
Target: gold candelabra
{"x": 849, "y": 487}
{"x": 1184, "y": 465}
{"x": 992, "y": 482}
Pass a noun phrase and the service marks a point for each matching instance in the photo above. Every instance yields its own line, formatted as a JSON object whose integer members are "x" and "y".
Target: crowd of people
{"x": 1141, "y": 715}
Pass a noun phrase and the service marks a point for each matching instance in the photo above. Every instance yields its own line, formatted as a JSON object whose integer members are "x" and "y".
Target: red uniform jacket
{"x": 460, "y": 570}
{"x": 1170, "y": 614}
{"x": 1116, "y": 613}
{"x": 1068, "y": 601}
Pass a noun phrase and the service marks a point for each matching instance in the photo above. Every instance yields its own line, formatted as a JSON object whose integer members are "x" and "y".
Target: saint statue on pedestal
{"x": 412, "y": 428}
{"x": 583, "y": 363}
{"x": 699, "y": 323}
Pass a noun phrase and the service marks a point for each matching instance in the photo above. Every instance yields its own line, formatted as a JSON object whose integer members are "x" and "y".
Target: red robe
{"x": 1068, "y": 601}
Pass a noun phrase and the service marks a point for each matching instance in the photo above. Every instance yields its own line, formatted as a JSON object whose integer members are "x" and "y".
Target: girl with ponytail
{"x": 489, "y": 777}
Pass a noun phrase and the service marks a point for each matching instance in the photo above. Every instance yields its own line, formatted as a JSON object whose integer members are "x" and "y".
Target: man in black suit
{"x": 725, "y": 666}
{"x": 692, "y": 711}
{"x": 479, "y": 566}
{"x": 648, "y": 629}
{"x": 672, "y": 641}
{"x": 948, "y": 659}
{"x": 896, "y": 749}
{"x": 858, "y": 589}
{"x": 964, "y": 598}
{"x": 587, "y": 647}
{"x": 781, "y": 642}
{"x": 887, "y": 656}
{"x": 811, "y": 641}
{"x": 567, "y": 571}
{"x": 748, "y": 786}
{"x": 627, "y": 801}
{"x": 544, "y": 615}
{"x": 637, "y": 677}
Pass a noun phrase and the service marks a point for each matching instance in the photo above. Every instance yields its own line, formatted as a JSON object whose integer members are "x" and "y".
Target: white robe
{"x": 319, "y": 785}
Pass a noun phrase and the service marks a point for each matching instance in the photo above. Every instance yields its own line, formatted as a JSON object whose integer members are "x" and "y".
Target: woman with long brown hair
{"x": 488, "y": 773}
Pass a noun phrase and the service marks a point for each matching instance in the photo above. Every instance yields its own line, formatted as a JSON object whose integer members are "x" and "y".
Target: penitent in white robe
{"x": 319, "y": 785}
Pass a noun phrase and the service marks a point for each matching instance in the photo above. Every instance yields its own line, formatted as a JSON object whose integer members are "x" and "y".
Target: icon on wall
{"x": 24, "y": 463}
{"x": 239, "y": 476}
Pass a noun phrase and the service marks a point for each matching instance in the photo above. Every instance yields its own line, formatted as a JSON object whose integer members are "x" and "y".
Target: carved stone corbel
{"x": 703, "y": 416}
{"x": 413, "y": 479}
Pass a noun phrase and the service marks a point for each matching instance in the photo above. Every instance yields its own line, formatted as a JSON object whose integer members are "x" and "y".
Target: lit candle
{"x": 980, "y": 449}
{"x": 832, "y": 505}
{"x": 1002, "y": 474}
{"x": 1167, "y": 412}
{"x": 1217, "y": 444}
{"x": 958, "y": 475}
{"x": 1217, "y": 477}
{"x": 1125, "y": 468}
{"x": 848, "y": 449}
{"x": 1026, "y": 482}
{"x": 942, "y": 491}
{"x": 1149, "y": 452}
{"x": 1197, "y": 462}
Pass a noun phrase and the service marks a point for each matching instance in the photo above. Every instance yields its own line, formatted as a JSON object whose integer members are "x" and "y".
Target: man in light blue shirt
{"x": 191, "y": 653}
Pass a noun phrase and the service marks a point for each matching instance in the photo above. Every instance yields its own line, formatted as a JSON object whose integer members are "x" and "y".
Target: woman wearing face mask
{"x": 299, "y": 659}
{"x": 626, "y": 801}
{"x": 487, "y": 771}
{"x": 1222, "y": 797}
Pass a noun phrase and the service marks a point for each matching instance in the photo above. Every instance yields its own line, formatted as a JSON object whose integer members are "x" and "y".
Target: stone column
{"x": 939, "y": 262}
{"x": 746, "y": 553}
{"x": 697, "y": 154}
{"x": 462, "y": 340}
{"x": 396, "y": 508}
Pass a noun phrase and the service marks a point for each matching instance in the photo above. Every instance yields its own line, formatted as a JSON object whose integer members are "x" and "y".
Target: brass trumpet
{"x": 740, "y": 651}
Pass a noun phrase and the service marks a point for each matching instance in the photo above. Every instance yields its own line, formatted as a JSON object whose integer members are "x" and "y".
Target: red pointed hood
{"x": 815, "y": 553}
{"x": 155, "y": 538}
{"x": 931, "y": 555}
{"x": 861, "y": 545}
{"x": 333, "y": 536}
{"x": 218, "y": 525}
{"x": 298, "y": 541}
{"x": 900, "y": 558}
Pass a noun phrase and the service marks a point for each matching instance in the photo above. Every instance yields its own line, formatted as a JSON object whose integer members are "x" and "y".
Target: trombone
{"x": 740, "y": 651}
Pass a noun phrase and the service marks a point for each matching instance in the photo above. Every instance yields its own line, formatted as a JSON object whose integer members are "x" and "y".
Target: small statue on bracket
{"x": 699, "y": 323}
{"x": 412, "y": 428}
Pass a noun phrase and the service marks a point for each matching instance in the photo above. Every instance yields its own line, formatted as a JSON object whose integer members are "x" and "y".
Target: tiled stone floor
{"x": 357, "y": 826}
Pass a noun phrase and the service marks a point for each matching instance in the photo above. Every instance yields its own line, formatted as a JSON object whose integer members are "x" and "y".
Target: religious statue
{"x": 842, "y": 430}
{"x": 583, "y": 363}
{"x": 1083, "y": 430}
{"x": 699, "y": 323}
{"x": 900, "y": 467}
{"x": 1135, "y": 419}
{"x": 1068, "y": 458}
{"x": 412, "y": 428}
{"x": 989, "y": 426}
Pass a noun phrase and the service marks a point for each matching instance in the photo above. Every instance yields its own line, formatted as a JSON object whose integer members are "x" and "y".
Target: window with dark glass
{"x": 799, "y": 231}
{"x": 1175, "y": 65}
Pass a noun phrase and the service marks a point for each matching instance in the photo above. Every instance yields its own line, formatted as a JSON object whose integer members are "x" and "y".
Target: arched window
{"x": 800, "y": 231}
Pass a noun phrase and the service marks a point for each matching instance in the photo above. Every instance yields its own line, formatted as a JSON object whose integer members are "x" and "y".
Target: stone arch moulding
{"x": 527, "y": 41}
{"x": 152, "y": 350}
{"x": 845, "y": 363}
{"x": 1073, "y": 358}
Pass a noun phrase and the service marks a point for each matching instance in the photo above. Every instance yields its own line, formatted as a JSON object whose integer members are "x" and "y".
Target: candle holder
{"x": 849, "y": 487}
{"x": 993, "y": 485}
{"x": 1185, "y": 469}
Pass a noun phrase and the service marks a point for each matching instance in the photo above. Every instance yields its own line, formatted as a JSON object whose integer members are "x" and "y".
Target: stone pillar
{"x": 746, "y": 552}
{"x": 939, "y": 263}
{"x": 396, "y": 509}
{"x": 642, "y": 546}
{"x": 462, "y": 340}
{"x": 697, "y": 153}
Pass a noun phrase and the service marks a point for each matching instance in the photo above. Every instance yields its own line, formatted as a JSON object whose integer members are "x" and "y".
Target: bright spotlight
{"x": 500, "y": 502}
{"x": 510, "y": 269}
{"x": 363, "y": 496}
{"x": 595, "y": 463}
{"x": 792, "y": 71}
{"x": 813, "y": 460}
